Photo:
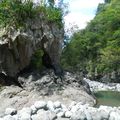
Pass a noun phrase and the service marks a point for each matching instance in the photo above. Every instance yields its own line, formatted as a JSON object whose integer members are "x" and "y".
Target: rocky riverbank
{"x": 45, "y": 86}
{"x": 98, "y": 86}
{"x": 42, "y": 99}
{"x": 42, "y": 110}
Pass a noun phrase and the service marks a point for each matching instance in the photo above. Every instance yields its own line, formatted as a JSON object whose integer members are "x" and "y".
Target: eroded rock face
{"x": 17, "y": 46}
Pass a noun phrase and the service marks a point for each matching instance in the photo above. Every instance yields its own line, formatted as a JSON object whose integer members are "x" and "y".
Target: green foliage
{"x": 53, "y": 14}
{"x": 51, "y": 2}
{"x": 107, "y": 1}
{"x": 16, "y": 12}
{"x": 37, "y": 59}
{"x": 101, "y": 7}
{"x": 96, "y": 49}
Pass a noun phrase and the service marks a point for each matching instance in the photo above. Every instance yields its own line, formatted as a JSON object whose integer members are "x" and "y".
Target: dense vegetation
{"x": 96, "y": 49}
{"x": 17, "y": 12}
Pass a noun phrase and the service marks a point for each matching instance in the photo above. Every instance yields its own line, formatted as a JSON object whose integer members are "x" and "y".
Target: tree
{"x": 97, "y": 47}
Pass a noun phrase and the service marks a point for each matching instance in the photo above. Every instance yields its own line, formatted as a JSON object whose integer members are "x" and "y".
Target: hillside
{"x": 95, "y": 50}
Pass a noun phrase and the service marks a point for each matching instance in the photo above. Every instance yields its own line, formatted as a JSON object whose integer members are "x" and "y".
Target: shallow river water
{"x": 108, "y": 98}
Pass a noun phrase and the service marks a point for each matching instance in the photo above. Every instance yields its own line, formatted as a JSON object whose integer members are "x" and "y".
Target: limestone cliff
{"x": 18, "y": 45}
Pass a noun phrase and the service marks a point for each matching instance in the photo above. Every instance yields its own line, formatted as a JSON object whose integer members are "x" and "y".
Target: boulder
{"x": 44, "y": 115}
{"x": 63, "y": 118}
{"x": 25, "y": 114}
{"x": 78, "y": 115}
{"x": 8, "y": 117}
{"x": 57, "y": 104}
{"x": 34, "y": 109}
{"x": 26, "y": 110}
{"x": 10, "y": 111}
{"x": 61, "y": 114}
{"x": 40, "y": 105}
{"x": 114, "y": 116}
{"x": 50, "y": 106}
{"x": 68, "y": 114}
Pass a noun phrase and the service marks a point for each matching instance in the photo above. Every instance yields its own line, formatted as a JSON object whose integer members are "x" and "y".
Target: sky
{"x": 81, "y": 12}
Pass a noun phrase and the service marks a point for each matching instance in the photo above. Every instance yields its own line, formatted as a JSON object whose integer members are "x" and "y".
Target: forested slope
{"x": 96, "y": 49}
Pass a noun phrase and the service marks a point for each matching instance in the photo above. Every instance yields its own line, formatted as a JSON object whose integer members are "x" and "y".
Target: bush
{"x": 37, "y": 59}
{"x": 15, "y": 12}
{"x": 97, "y": 47}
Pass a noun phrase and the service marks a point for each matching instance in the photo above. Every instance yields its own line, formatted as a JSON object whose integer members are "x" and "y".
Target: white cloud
{"x": 77, "y": 18}
{"x": 84, "y": 3}
{"x": 81, "y": 12}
